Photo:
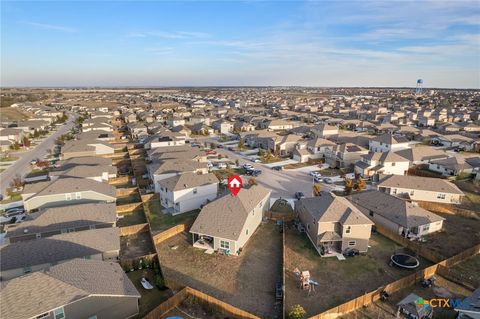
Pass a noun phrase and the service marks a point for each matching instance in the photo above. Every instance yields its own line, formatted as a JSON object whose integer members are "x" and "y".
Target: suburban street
{"x": 22, "y": 166}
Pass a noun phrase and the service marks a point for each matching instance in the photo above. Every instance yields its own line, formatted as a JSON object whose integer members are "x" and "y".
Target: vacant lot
{"x": 12, "y": 114}
{"x": 339, "y": 281}
{"x": 150, "y": 298}
{"x": 442, "y": 289}
{"x": 136, "y": 245}
{"x": 459, "y": 234}
{"x": 160, "y": 221}
{"x": 246, "y": 281}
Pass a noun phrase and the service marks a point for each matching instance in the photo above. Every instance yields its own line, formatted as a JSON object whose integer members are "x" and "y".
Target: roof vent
{"x": 25, "y": 231}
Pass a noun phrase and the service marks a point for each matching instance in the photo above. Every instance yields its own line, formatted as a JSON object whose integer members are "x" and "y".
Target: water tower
{"x": 419, "y": 89}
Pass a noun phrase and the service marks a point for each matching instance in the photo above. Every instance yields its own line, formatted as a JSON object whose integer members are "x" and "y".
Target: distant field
{"x": 11, "y": 114}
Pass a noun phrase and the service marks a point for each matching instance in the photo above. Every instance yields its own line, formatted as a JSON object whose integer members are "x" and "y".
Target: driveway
{"x": 22, "y": 166}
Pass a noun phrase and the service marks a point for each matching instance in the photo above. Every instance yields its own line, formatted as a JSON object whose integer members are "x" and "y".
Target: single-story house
{"x": 422, "y": 189}
{"x": 23, "y": 257}
{"x": 397, "y": 215}
{"x": 333, "y": 224}
{"x": 228, "y": 223}
{"x": 78, "y": 148}
{"x": 74, "y": 289}
{"x": 66, "y": 191}
{"x": 453, "y": 166}
{"x": 59, "y": 220}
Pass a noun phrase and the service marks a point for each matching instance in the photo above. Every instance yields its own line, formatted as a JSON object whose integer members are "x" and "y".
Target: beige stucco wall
{"x": 423, "y": 195}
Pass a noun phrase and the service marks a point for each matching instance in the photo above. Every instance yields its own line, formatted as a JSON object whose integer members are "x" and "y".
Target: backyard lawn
{"x": 160, "y": 221}
{"x": 246, "y": 281}
{"x": 339, "y": 281}
{"x": 150, "y": 298}
{"x": 135, "y": 217}
{"x": 137, "y": 245}
{"x": 132, "y": 198}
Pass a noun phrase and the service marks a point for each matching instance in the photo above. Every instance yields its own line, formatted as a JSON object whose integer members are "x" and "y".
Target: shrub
{"x": 296, "y": 312}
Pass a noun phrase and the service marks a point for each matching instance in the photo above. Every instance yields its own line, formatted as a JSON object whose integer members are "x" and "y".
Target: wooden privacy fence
{"x": 395, "y": 286}
{"x": 127, "y": 208}
{"x": 202, "y": 298}
{"x": 129, "y": 263}
{"x": 134, "y": 229}
{"x": 280, "y": 216}
{"x": 175, "y": 230}
{"x": 126, "y": 191}
{"x": 412, "y": 245}
{"x": 119, "y": 180}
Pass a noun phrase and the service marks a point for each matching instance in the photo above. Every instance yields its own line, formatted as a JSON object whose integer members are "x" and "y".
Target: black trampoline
{"x": 404, "y": 261}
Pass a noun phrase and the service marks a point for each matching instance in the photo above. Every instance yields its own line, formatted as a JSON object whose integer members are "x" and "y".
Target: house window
{"x": 59, "y": 313}
{"x": 43, "y": 315}
{"x": 412, "y": 192}
{"x": 64, "y": 231}
{"x": 441, "y": 196}
{"x": 393, "y": 164}
{"x": 371, "y": 213}
{"x": 348, "y": 229}
{"x": 394, "y": 191}
{"x": 91, "y": 227}
{"x": 426, "y": 227}
{"x": 78, "y": 195}
{"x": 68, "y": 196}
{"x": 352, "y": 243}
{"x": 38, "y": 235}
{"x": 27, "y": 270}
{"x": 224, "y": 244}
{"x": 195, "y": 190}
{"x": 246, "y": 233}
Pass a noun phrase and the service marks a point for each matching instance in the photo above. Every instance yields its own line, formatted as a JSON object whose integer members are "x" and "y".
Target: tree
{"x": 15, "y": 146}
{"x": 16, "y": 182}
{"x": 316, "y": 190}
{"x": 268, "y": 155}
{"x": 212, "y": 145}
{"x": 241, "y": 144}
{"x": 251, "y": 181}
{"x": 260, "y": 152}
{"x": 360, "y": 184}
{"x": 26, "y": 141}
{"x": 296, "y": 312}
{"x": 348, "y": 183}
{"x": 237, "y": 162}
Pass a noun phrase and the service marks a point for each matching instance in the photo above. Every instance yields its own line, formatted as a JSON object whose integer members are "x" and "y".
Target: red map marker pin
{"x": 234, "y": 184}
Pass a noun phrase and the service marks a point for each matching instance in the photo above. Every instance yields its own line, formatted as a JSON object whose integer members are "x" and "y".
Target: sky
{"x": 240, "y": 43}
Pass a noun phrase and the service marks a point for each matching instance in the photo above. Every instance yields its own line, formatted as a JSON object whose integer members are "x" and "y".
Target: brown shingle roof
{"x": 188, "y": 180}
{"x": 420, "y": 183}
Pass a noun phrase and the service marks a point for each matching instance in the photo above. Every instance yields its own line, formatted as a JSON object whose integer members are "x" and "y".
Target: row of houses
{"x": 68, "y": 246}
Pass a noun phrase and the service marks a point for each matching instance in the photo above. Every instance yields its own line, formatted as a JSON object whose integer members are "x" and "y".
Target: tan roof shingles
{"x": 40, "y": 292}
{"x": 188, "y": 180}
{"x": 226, "y": 216}
{"x": 420, "y": 183}
{"x": 69, "y": 185}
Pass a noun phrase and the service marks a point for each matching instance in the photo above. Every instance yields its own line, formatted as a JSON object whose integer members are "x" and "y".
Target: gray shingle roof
{"x": 421, "y": 153}
{"x": 420, "y": 183}
{"x": 226, "y": 216}
{"x": 330, "y": 208}
{"x": 59, "y": 248}
{"x": 393, "y": 208}
{"x": 57, "y": 218}
{"x": 40, "y": 292}
{"x": 69, "y": 185}
{"x": 188, "y": 180}
{"x": 391, "y": 139}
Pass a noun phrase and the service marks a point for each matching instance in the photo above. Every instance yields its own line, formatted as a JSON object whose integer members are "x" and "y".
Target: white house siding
{"x": 399, "y": 168}
{"x": 382, "y": 221}
{"x": 431, "y": 228}
{"x": 166, "y": 143}
{"x": 187, "y": 200}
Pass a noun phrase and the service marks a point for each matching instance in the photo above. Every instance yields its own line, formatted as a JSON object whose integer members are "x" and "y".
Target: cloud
{"x": 50, "y": 26}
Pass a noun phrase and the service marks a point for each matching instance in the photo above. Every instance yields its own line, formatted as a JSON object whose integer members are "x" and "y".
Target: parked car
{"x": 247, "y": 166}
{"x": 328, "y": 180}
{"x": 211, "y": 152}
{"x": 221, "y": 165}
{"x": 350, "y": 175}
{"x": 253, "y": 172}
{"x": 277, "y": 168}
{"x": 299, "y": 195}
{"x": 351, "y": 252}
{"x": 14, "y": 212}
{"x": 219, "y": 146}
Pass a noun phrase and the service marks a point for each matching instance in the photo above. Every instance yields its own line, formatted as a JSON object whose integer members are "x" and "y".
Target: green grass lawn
{"x": 150, "y": 298}
{"x": 13, "y": 198}
{"x": 160, "y": 221}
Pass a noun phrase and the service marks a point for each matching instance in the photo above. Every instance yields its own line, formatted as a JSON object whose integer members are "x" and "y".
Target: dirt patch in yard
{"x": 339, "y": 281}
{"x": 246, "y": 281}
{"x": 458, "y": 234}
{"x": 388, "y": 309}
{"x": 136, "y": 246}
{"x": 135, "y": 217}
